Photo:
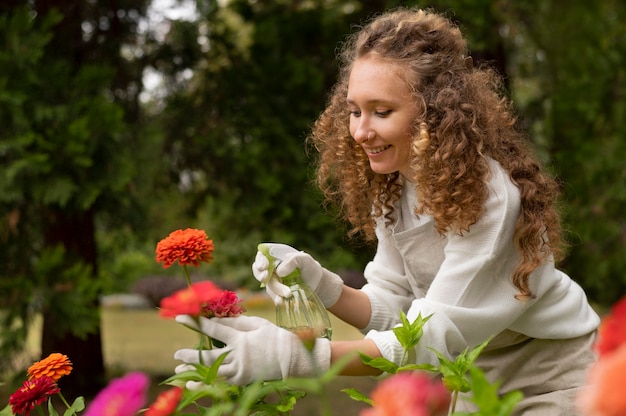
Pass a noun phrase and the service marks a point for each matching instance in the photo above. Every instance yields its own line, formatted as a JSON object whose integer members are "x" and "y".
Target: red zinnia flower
{"x": 409, "y": 394}
{"x": 33, "y": 392}
{"x": 165, "y": 404}
{"x": 189, "y": 246}
{"x": 54, "y": 366}
{"x": 226, "y": 305}
{"x": 122, "y": 397}
{"x": 612, "y": 331}
{"x": 206, "y": 291}
{"x": 181, "y": 302}
{"x": 190, "y": 301}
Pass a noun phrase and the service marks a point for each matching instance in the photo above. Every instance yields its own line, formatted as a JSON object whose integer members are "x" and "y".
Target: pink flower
{"x": 123, "y": 396}
{"x": 604, "y": 394}
{"x": 226, "y": 305}
{"x": 409, "y": 394}
{"x": 612, "y": 331}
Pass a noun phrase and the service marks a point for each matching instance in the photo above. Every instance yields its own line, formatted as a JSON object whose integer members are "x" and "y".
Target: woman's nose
{"x": 361, "y": 132}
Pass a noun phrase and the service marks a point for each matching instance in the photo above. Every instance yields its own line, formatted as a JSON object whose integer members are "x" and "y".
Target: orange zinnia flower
{"x": 189, "y": 246}
{"x": 54, "y": 366}
{"x": 604, "y": 393}
{"x": 612, "y": 331}
{"x": 165, "y": 404}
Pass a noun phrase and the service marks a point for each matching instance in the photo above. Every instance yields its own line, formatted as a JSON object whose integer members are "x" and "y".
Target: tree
{"x": 570, "y": 78}
{"x": 68, "y": 98}
{"x": 241, "y": 103}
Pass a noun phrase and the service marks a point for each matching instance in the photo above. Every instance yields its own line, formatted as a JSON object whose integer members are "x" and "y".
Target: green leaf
{"x": 58, "y": 190}
{"x": 289, "y": 405}
{"x": 380, "y": 363}
{"x": 76, "y": 407}
{"x": 51, "y": 410}
{"x": 485, "y": 396}
{"x": 409, "y": 333}
{"x": 358, "y": 396}
{"x": 455, "y": 371}
{"x": 212, "y": 373}
{"x": 179, "y": 378}
{"x": 417, "y": 367}
{"x": 7, "y": 411}
{"x": 476, "y": 351}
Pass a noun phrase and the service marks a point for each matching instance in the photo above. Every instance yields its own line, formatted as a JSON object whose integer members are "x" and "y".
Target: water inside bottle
{"x": 303, "y": 313}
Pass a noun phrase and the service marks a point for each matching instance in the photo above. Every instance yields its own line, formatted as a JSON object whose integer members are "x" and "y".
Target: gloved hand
{"x": 258, "y": 350}
{"x": 326, "y": 284}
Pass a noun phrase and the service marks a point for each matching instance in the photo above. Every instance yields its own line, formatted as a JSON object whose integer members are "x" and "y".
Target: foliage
{"x": 208, "y": 394}
{"x": 458, "y": 375}
{"x": 259, "y": 87}
{"x": 66, "y": 101}
{"x": 575, "y": 109}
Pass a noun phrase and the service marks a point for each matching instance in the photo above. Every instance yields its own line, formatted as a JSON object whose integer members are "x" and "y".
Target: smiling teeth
{"x": 377, "y": 149}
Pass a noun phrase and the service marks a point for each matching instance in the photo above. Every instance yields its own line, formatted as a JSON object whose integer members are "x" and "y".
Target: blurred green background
{"x": 123, "y": 121}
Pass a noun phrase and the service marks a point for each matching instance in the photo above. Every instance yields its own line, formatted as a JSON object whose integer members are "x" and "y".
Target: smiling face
{"x": 382, "y": 108}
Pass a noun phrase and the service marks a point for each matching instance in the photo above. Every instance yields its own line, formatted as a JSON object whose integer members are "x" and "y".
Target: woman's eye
{"x": 384, "y": 113}
{"x": 355, "y": 113}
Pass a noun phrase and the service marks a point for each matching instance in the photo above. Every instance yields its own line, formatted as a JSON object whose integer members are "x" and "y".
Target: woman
{"x": 420, "y": 151}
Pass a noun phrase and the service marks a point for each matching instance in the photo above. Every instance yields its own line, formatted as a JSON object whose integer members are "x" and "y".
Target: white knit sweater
{"x": 465, "y": 282}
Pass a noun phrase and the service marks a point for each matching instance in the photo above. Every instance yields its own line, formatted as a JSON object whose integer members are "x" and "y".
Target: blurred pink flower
{"x": 409, "y": 394}
{"x": 604, "y": 394}
{"x": 123, "y": 396}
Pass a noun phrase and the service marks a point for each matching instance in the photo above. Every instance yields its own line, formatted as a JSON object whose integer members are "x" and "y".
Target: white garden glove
{"x": 258, "y": 350}
{"x": 326, "y": 284}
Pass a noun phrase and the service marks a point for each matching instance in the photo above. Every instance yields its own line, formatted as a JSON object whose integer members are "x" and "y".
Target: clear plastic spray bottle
{"x": 302, "y": 312}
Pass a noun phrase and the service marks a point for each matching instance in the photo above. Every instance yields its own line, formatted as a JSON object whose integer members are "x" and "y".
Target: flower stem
{"x": 65, "y": 402}
{"x": 455, "y": 396}
{"x": 325, "y": 402}
{"x": 187, "y": 276}
{"x": 40, "y": 410}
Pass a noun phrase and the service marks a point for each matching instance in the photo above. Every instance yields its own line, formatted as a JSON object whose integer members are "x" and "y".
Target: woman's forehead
{"x": 375, "y": 79}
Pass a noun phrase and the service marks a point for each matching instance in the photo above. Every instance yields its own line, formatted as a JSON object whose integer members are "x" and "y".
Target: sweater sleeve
{"x": 472, "y": 296}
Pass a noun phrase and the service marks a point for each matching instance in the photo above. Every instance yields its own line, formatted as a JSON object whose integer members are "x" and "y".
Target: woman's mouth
{"x": 376, "y": 150}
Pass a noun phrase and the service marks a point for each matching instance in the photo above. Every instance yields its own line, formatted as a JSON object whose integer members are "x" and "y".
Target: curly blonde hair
{"x": 464, "y": 119}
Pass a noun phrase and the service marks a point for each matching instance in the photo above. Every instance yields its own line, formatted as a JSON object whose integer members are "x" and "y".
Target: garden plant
{"x": 409, "y": 389}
